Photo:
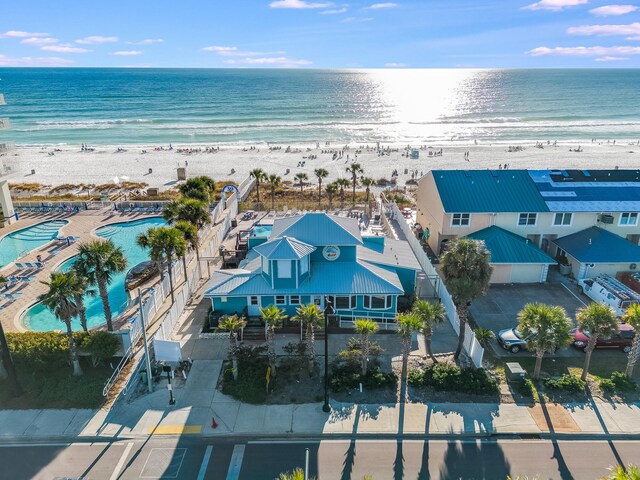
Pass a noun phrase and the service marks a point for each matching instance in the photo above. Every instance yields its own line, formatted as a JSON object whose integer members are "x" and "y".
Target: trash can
{"x": 234, "y": 223}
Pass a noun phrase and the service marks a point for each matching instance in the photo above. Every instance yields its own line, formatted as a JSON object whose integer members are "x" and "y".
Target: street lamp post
{"x": 7, "y": 361}
{"x": 328, "y": 310}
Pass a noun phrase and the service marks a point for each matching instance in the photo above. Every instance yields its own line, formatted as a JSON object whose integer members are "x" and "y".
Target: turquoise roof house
{"x": 314, "y": 257}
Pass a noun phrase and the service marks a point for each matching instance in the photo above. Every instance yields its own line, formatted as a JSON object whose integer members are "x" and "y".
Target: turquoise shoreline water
{"x": 41, "y": 319}
{"x": 159, "y": 106}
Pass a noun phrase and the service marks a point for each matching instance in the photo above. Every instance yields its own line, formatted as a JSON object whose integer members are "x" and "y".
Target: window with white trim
{"x": 343, "y": 302}
{"x": 527, "y": 219}
{"x": 562, "y": 219}
{"x": 460, "y": 219}
{"x": 284, "y": 268}
{"x": 377, "y": 302}
{"x": 294, "y": 300}
{"x": 253, "y": 300}
{"x": 280, "y": 300}
{"x": 304, "y": 265}
{"x": 628, "y": 219}
{"x": 265, "y": 265}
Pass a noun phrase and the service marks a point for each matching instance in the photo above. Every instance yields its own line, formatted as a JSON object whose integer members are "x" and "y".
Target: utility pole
{"x": 146, "y": 346}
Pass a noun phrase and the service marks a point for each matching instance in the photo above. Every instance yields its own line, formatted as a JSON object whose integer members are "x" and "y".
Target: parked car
{"x": 622, "y": 339}
{"x": 609, "y": 291}
{"x": 512, "y": 339}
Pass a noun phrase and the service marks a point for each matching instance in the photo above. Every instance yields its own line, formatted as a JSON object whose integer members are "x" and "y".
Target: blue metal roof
{"x": 284, "y": 248}
{"x": 319, "y": 229}
{"x": 595, "y": 245}
{"x": 508, "y": 248}
{"x": 327, "y": 278}
{"x": 488, "y": 191}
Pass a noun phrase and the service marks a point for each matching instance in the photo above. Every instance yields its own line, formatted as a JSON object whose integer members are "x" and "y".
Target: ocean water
{"x": 158, "y": 106}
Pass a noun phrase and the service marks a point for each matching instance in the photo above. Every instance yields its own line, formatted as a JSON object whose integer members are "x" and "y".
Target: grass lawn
{"x": 603, "y": 364}
{"x": 58, "y": 389}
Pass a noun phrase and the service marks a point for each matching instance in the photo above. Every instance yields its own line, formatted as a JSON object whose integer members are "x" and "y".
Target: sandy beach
{"x": 69, "y": 164}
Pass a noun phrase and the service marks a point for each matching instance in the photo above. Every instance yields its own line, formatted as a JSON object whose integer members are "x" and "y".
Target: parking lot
{"x": 499, "y": 308}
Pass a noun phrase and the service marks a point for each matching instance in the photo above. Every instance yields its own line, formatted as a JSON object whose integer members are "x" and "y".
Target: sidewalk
{"x": 198, "y": 402}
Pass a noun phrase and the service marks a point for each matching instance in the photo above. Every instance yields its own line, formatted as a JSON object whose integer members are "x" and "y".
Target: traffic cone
{"x": 213, "y": 423}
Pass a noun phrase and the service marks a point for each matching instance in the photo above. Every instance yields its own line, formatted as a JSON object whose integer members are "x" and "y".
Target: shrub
{"x": 618, "y": 382}
{"x": 346, "y": 376}
{"x": 526, "y": 388}
{"x": 450, "y": 377}
{"x": 41, "y": 351}
{"x": 252, "y": 368}
{"x": 100, "y": 346}
{"x": 567, "y": 382}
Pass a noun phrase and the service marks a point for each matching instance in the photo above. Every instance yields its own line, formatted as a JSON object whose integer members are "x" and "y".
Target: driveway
{"x": 499, "y": 308}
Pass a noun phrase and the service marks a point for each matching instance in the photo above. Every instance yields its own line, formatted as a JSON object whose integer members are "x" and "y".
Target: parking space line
{"x": 236, "y": 463}
{"x": 577, "y": 297}
{"x": 205, "y": 462}
{"x": 120, "y": 464}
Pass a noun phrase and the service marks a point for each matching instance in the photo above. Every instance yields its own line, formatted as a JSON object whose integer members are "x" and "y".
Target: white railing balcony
{"x": 2, "y": 102}
{"x": 4, "y": 124}
{"x": 6, "y": 172}
{"x": 6, "y": 146}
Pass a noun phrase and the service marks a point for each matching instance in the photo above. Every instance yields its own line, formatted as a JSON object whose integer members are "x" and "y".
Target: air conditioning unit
{"x": 605, "y": 218}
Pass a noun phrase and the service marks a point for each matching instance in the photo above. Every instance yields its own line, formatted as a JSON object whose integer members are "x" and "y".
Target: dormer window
{"x": 284, "y": 268}
{"x": 304, "y": 265}
{"x": 265, "y": 265}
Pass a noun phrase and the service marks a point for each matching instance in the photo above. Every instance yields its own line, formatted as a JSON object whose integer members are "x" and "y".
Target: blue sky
{"x": 320, "y": 34}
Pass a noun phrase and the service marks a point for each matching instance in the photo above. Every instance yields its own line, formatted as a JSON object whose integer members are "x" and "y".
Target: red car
{"x": 622, "y": 339}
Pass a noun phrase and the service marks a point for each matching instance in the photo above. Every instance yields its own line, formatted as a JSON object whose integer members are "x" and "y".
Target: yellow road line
{"x": 176, "y": 430}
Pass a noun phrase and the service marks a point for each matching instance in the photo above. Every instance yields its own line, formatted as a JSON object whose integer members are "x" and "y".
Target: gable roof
{"x": 508, "y": 248}
{"x": 319, "y": 229}
{"x": 393, "y": 253}
{"x": 488, "y": 191}
{"x": 284, "y": 248}
{"x": 599, "y": 246}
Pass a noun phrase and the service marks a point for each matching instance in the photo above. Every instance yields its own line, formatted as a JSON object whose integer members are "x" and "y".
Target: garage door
{"x": 501, "y": 274}
{"x": 526, "y": 273}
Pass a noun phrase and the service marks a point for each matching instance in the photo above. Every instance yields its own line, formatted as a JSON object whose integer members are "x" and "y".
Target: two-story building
{"x": 539, "y": 207}
{"x": 314, "y": 257}
{"x": 7, "y": 213}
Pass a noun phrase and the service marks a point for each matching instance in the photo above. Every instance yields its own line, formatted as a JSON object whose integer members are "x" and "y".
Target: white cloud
{"x": 611, "y": 59}
{"x": 298, "y": 4}
{"x": 356, "y": 20}
{"x": 632, "y": 29}
{"x": 585, "y": 51}
{"x": 608, "y": 10}
{"x": 6, "y": 61}
{"x": 147, "y": 41}
{"x": 234, "y": 52}
{"x": 334, "y": 11}
{"x": 395, "y": 65}
{"x": 219, "y": 49}
{"x": 378, "y": 6}
{"x": 63, "y": 48}
{"x": 21, "y": 34}
{"x": 269, "y": 61}
{"x": 96, "y": 39}
{"x": 127, "y": 53}
{"x": 554, "y": 5}
{"x": 39, "y": 41}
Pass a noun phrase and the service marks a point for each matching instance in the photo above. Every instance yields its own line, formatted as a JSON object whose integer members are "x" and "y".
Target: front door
{"x": 253, "y": 306}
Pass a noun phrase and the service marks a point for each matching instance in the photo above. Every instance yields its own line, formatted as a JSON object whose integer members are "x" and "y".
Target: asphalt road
{"x": 195, "y": 459}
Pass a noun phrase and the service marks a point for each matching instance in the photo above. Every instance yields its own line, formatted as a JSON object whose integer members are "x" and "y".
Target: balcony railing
{"x": 4, "y": 124}
{"x": 6, "y": 146}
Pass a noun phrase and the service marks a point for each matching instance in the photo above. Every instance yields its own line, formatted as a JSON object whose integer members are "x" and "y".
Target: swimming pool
{"x": 41, "y": 319}
{"x": 261, "y": 230}
{"x": 18, "y": 243}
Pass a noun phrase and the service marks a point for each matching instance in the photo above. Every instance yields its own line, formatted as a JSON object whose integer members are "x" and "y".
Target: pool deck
{"x": 81, "y": 225}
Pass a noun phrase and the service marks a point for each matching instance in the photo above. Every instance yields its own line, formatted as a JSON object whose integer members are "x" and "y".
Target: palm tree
{"x": 259, "y": 175}
{"x": 274, "y": 182}
{"x": 430, "y": 314}
{"x": 187, "y": 210}
{"x": 301, "y": 177}
{"x": 98, "y": 260}
{"x": 62, "y": 289}
{"x": 365, "y": 328}
{"x": 164, "y": 243}
{"x": 466, "y": 269}
{"x": 331, "y": 190}
{"x": 618, "y": 472}
{"x": 546, "y": 328}
{"x": 354, "y": 169}
{"x": 233, "y": 324}
{"x": 484, "y": 336}
{"x": 595, "y": 320}
{"x": 632, "y": 317}
{"x": 190, "y": 234}
{"x": 274, "y": 318}
{"x": 79, "y": 297}
{"x": 368, "y": 182}
{"x": 342, "y": 183}
{"x": 321, "y": 173}
{"x": 311, "y": 317}
{"x": 199, "y": 188}
{"x": 408, "y": 324}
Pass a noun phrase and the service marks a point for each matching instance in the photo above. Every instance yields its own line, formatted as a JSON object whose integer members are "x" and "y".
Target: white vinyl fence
{"x": 471, "y": 344}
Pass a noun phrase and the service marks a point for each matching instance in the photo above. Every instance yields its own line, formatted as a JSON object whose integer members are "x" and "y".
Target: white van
{"x": 609, "y": 291}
